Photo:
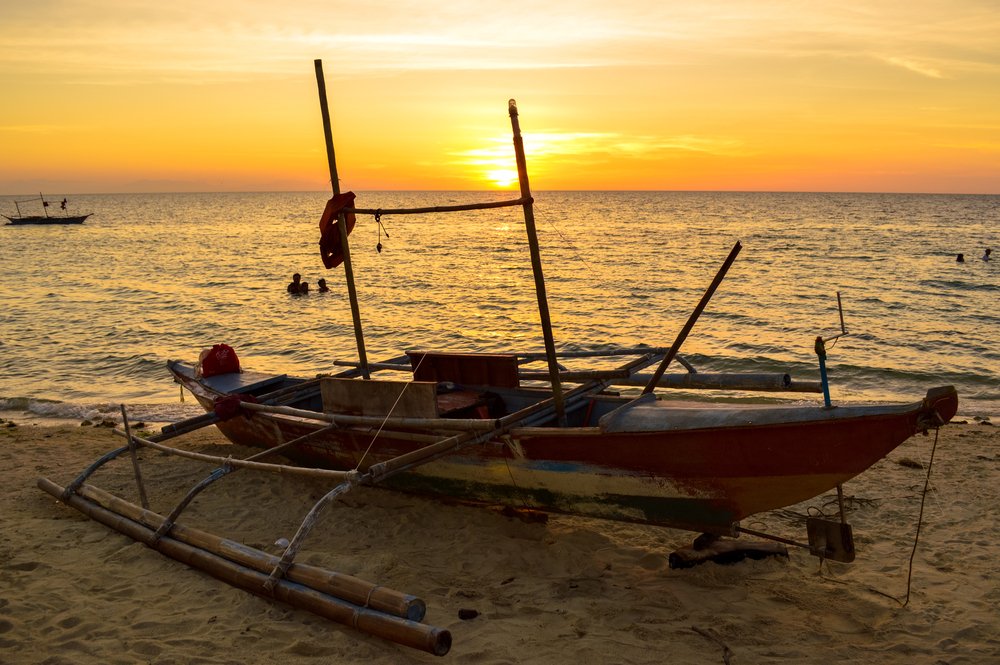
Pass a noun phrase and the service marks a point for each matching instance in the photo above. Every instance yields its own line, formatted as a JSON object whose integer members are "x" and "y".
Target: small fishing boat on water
{"x": 488, "y": 428}
{"x": 21, "y": 219}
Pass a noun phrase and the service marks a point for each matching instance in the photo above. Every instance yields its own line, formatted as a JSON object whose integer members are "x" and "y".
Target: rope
{"x": 565, "y": 240}
{"x": 920, "y": 517}
{"x": 368, "y": 600}
{"x": 388, "y": 415}
{"x": 916, "y": 537}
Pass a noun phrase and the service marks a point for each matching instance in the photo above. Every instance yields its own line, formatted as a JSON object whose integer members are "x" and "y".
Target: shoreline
{"x": 570, "y": 590}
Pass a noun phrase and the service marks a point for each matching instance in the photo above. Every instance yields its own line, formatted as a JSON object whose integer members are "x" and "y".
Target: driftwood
{"x": 402, "y": 631}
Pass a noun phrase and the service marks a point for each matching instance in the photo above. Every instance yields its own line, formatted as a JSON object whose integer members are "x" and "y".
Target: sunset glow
{"x": 107, "y": 96}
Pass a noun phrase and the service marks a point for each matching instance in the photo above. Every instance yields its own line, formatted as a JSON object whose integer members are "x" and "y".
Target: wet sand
{"x": 571, "y": 590}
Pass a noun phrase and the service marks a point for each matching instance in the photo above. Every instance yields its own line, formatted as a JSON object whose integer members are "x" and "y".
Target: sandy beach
{"x": 571, "y": 590}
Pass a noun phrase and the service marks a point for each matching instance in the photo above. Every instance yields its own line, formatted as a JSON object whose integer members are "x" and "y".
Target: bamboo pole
{"x": 687, "y": 381}
{"x": 347, "y": 587}
{"x": 308, "y": 522}
{"x": 436, "y": 209}
{"x": 536, "y": 262}
{"x": 135, "y": 459}
{"x": 359, "y": 334}
{"x": 221, "y": 472}
{"x": 244, "y": 464}
{"x": 402, "y": 631}
{"x": 478, "y": 424}
{"x": 675, "y": 347}
{"x": 90, "y": 470}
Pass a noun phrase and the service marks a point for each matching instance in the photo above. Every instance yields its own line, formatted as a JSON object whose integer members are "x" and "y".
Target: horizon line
{"x": 515, "y": 191}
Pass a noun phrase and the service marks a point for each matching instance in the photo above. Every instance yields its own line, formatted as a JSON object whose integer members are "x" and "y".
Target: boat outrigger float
{"x": 487, "y": 428}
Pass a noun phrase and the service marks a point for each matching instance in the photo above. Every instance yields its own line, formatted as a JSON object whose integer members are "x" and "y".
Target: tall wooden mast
{"x": 536, "y": 264}
{"x": 359, "y": 334}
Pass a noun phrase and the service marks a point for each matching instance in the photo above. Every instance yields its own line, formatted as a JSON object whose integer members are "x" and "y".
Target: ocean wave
{"x": 56, "y": 412}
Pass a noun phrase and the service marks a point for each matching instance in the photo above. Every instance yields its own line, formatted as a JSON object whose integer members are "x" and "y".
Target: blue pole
{"x": 821, "y": 354}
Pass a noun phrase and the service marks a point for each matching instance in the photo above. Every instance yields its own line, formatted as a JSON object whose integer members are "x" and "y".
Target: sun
{"x": 502, "y": 178}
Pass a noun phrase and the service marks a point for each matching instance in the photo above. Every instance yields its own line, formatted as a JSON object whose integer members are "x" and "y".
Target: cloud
{"x": 913, "y": 66}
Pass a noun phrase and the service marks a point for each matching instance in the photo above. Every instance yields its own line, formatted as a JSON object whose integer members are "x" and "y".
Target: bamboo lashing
{"x": 409, "y": 633}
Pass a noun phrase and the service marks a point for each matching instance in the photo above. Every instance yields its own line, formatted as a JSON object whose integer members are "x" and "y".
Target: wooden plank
{"x": 404, "y": 399}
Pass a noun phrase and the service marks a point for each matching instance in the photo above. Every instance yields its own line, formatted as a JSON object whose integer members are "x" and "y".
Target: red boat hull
{"x": 701, "y": 478}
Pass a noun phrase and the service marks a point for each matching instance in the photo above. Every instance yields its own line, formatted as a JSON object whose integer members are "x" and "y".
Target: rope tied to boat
{"x": 229, "y": 406}
{"x": 380, "y": 229}
{"x": 920, "y": 516}
{"x": 389, "y": 414}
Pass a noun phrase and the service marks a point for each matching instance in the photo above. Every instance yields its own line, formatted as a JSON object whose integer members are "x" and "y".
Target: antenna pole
{"x": 359, "y": 334}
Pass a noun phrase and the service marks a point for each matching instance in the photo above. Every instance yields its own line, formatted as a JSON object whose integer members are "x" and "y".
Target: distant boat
{"x": 46, "y": 218}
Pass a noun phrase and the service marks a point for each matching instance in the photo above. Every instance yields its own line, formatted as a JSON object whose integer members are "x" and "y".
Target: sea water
{"x": 90, "y": 314}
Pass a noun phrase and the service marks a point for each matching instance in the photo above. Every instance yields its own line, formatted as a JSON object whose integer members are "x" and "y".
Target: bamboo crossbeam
{"x": 609, "y": 353}
{"x": 94, "y": 466}
{"x": 280, "y": 569}
{"x": 402, "y": 631}
{"x": 682, "y": 335}
{"x": 463, "y": 424}
{"x": 454, "y": 208}
{"x": 244, "y": 464}
{"x": 687, "y": 381}
{"x": 347, "y": 587}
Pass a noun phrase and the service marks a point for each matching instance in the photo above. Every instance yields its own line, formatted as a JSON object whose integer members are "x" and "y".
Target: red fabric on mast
{"x": 329, "y": 239}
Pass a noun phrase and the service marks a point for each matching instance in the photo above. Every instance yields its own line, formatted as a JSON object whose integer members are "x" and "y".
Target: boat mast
{"x": 536, "y": 265}
{"x": 359, "y": 334}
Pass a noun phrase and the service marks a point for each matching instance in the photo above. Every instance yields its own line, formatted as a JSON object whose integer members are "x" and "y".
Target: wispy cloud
{"x": 589, "y": 144}
{"x": 913, "y": 66}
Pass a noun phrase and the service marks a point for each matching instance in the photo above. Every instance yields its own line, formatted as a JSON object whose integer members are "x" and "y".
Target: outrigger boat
{"x": 488, "y": 428}
{"x": 46, "y": 218}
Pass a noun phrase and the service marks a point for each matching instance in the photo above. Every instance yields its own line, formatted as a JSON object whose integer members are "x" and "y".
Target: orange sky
{"x": 123, "y": 96}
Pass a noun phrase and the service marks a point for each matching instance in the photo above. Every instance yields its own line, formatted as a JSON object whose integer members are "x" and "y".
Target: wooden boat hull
{"x": 710, "y": 468}
{"x": 41, "y": 219}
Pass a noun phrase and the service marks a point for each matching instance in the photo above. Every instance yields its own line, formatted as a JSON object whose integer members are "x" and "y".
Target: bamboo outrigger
{"x": 487, "y": 428}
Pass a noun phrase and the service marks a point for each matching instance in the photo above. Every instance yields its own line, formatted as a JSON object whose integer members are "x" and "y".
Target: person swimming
{"x": 323, "y": 288}
{"x": 960, "y": 258}
{"x": 296, "y": 284}
{"x": 986, "y": 254}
